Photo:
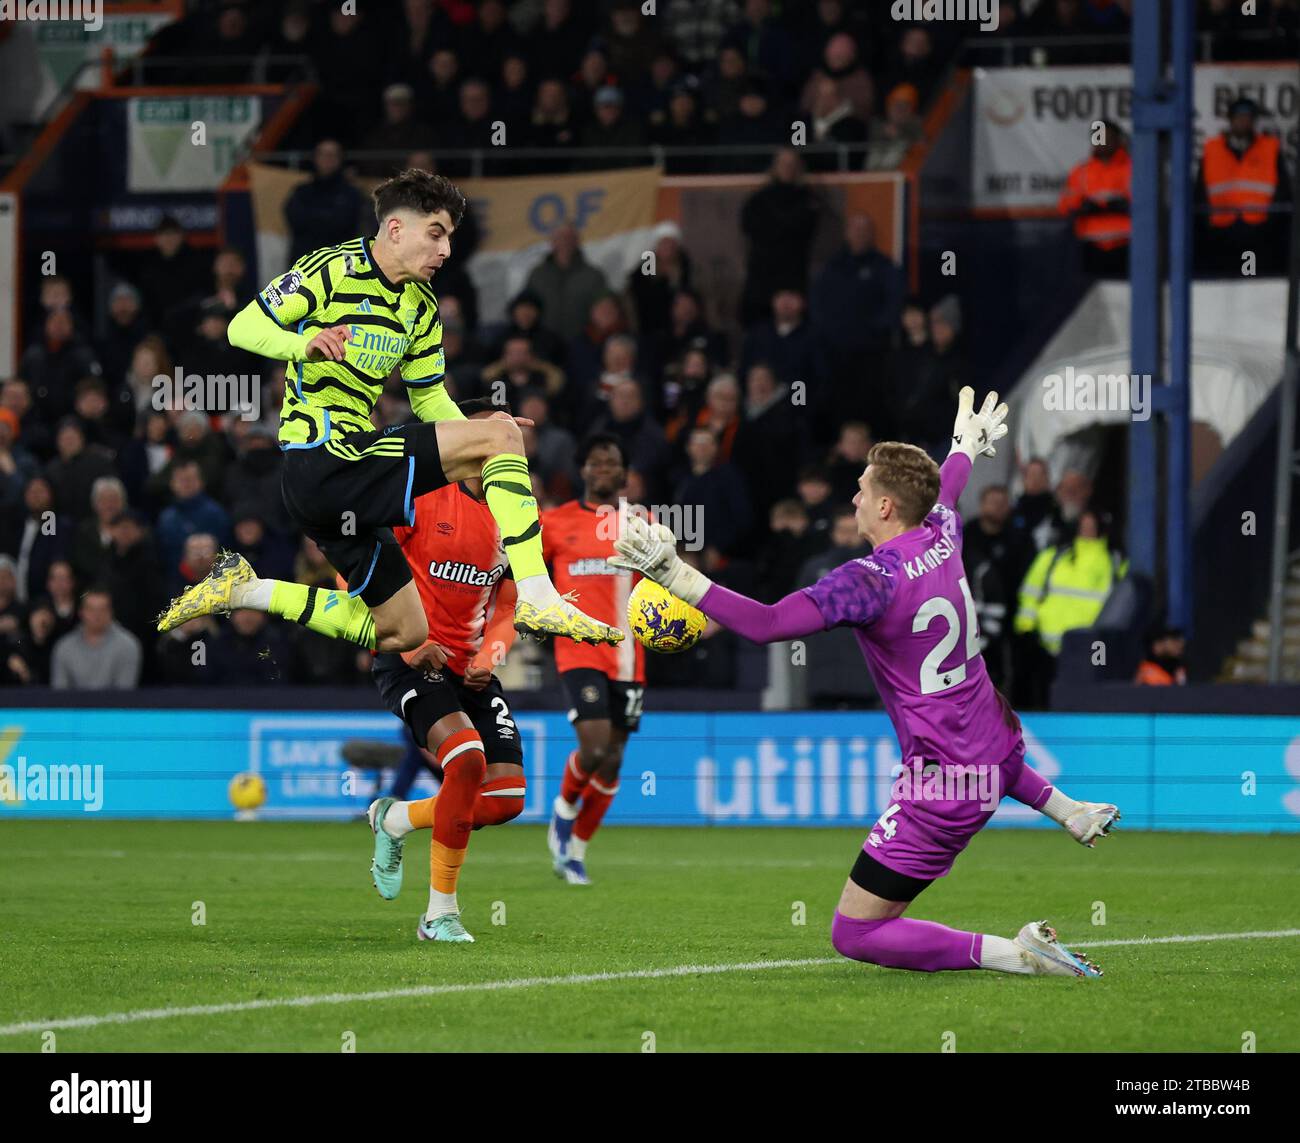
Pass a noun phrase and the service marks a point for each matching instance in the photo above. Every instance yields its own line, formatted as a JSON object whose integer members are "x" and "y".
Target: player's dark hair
{"x": 601, "y": 440}
{"x": 418, "y": 190}
{"x": 907, "y": 475}
{"x": 473, "y": 405}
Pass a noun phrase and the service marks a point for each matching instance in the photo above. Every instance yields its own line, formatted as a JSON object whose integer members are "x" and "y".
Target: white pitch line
{"x": 144, "y": 1014}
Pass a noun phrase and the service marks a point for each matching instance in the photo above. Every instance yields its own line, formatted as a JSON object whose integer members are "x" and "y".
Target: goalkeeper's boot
{"x": 563, "y": 620}
{"x": 1046, "y": 956}
{"x": 386, "y": 865}
{"x": 211, "y": 595}
{"x": 444, "y": 928}
{"x": 575, "y": 872}
{"x": 1092, "y": 820}
{"x": 557, "y": 839}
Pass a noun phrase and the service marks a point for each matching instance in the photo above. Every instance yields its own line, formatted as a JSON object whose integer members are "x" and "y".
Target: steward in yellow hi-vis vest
{"x": 1067, "y": 585}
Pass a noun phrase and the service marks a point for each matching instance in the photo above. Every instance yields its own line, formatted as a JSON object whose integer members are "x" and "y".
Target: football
{"x": 247, "y": 791}
{"x": 660, "y": 621}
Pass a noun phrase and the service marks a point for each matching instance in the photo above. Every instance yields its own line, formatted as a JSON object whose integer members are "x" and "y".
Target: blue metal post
{"x": 1144, "y": 280}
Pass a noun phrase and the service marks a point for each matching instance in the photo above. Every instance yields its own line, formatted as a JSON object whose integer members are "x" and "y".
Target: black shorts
{"x": 594, "y": 695}
{"x": 348, "y": 492}
{"x": 869, "y": 874}
{"x": 420, "y": 700}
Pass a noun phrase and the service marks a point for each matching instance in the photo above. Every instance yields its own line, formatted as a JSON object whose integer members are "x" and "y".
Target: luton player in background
{"x": 446, "y": 693}
{"x": 605, "y": 684}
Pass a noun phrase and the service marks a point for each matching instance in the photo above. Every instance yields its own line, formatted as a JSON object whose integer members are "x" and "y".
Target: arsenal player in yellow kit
{"x": 605, "y": 684}
{"x": 446, "y": 693}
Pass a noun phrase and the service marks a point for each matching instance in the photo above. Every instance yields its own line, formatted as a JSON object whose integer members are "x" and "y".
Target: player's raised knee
{"x": 501, "y": 436}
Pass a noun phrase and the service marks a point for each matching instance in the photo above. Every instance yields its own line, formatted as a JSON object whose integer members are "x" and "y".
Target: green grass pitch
{"x": 97, "y": 919}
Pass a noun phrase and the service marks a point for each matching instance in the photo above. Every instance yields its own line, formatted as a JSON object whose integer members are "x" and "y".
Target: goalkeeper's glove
{"x": 975, "y": 433}
{"x": 651, "y": 549}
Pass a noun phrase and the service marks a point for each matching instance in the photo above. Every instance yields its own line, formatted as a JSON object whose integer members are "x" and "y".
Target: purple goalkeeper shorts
{"x": 934, "y": 811}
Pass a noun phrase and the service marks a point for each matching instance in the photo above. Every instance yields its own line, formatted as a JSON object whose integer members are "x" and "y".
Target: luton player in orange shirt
{"x": 446, "y": 693}
{"x": 605, "y": 684}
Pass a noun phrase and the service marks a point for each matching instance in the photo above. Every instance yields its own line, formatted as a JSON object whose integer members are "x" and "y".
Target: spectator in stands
{"x": 697, "y": 27}
{"x": 92, "y": 411}
{"x": 1065, "y": 589}
{"x": 13, "y": 615}
{"x": 941, "y": 371}
{"x": 1035, "y": 508}
{"x": 763, "y": 45}
{"x": 145, "y": 455}
{"x": 552, "y": 124}
{"x": 261, "y": 545}
{"x": 996, "y": 557}
{"x": 609, "y": 130}
{"x": 779, "y": 221}
{"x": 92, "y": 544}
{"x": 1098, "y": 197}
{"x": 726, "y": 84}
{"x": 462, "y": 354}
{"x": 149, "y": 361}
{"x": 791, "y": 544}
{"x": 585, "y": 353}
{"x": 816, "y": 494}
{"x": 250, "y": 649}
{"x": 134, "y": 577}
{"x": 253, "y": 477}
{"x": 294, "y": 34}
{"x": 848, "y": 459}
{"x": 682, "y": 391}
{"x": 549, "y": 448}
{"x": 198, "y": 554}
{"x": 840, "y": 64}
{"x": 832, "y": 676}
{"x": 325, "y": 210}
{"x": 171, "y": 272}
{"x": 353, "y": 58}
{"x": 233, "y": 40}
{"x": 126, "y": 329}
{"x": 631, "y": 40}
{"x": 716, "y": 492}
{"x": 556, "y": 44}
{"x": 441, "y": 96}
{"x": 832, "y": 121}
{"x": 16, "y": 397}
{"x": 29, "y": 660}
{"x": 191, "y": 511}
{"x": 100, "y": 654}
{"x": 54, "y": 364}
{"x": 916, "y": 63}
{"x": 786, "y": 342}
{"x": 755, "y": 124}
{"x": 56, "y": 294}
{"x": 721, "y": 412}
{"x": 651, "y": 286}
{"x": 855, "y": 304}
{"x": 685, "y": 329}
{"x": 17, "y": 467}
{"x": 515, "y": 99}
{"x": 182, "y": 653}
{"x": 1073, "y": 495}
{"x": 520, "y": 370}
{"x": 1243, "y": 175}
{"x": 488, "y": 39}
{"x": 643, "y": 440}
{"x": 473, "y": 128}
{"x": 892, "y": 135}
{"x": 61, "y": 593}
{"x": 685, "y": 127}
{"x": 38, "y": 540}
{"x": 399, "y": 130}
{"x": 1164, "y": 665}
{"x": 75, "y": 468}
{"x": 567, "y": 284}
{"x": 194, "y": 441}
{"x": 772, "y": 439}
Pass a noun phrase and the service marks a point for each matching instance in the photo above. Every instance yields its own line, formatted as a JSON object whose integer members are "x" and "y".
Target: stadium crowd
{"x": 112, "y": 499}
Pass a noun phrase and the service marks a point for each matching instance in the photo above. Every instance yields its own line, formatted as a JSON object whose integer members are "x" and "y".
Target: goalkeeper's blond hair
{"x": 907, "y": 475}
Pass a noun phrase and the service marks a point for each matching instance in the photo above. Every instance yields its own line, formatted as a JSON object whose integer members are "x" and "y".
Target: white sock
{"x": 1002, "y": 955}
{"x": 1059, "y": 807}
{"x": 537, "y": 590}
{"x": 440, "y": 904}
{"x": 566, "y": 811}
{"x": 577, "y": 848}
{"x": 252, "y": 596}
{"x": 397, "y": 821}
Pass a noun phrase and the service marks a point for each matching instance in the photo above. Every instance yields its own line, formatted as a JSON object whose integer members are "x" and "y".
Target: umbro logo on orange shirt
{"x": 445, "y": 528}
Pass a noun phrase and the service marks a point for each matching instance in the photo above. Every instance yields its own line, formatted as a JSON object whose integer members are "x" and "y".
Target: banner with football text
{"x": 1031, "y": 125}
{"x": 614, "y": 212}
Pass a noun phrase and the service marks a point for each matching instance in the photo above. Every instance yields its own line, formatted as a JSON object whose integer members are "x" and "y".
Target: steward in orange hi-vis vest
{"x": 1240, "y": 186}
{"x": 1097, "y": 195}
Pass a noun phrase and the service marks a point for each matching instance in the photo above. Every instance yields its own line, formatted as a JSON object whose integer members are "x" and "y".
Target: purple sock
{"x": 900, "y": 942}
{"x": 1030, "y": 787}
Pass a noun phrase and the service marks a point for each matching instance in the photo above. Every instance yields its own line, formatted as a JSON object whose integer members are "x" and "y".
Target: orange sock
{"x": 575, "y": 780}
{"x": 421, "y": 812}
{"x": 499, "y": 801}
{"x": 463, "y": 764}
{"x": 594, "y": 804}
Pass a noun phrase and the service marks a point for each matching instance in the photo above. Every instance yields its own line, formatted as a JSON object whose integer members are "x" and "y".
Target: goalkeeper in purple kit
{"x": 910, "y": 607}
